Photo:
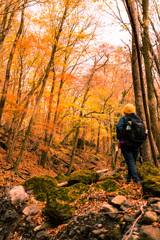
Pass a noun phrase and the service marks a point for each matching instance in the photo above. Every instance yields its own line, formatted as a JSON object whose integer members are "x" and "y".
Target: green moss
{"x": 61, "y": 178}
{"x": 109, "y": 186}
{"x": 151, "y": 186}
{"x": 83, "y": 176}
{"x": 127, "y": 191}
{"x": 41, "y": 197}
{"x": 151, "y": 181}
{"x": 147, "y": 169}
{"x": 41, "y": 185}
{"x": 60, "y": 201}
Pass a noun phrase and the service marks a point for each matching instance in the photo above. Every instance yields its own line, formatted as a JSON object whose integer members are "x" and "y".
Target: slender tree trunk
{"x": 78, "y": 128}
{"x": 6, "y": 21}
{"x": 104, "y": 145}
{"x": 133, "y": 23}
{"x": 149, "y": 78}
{"x": 136, "y": 82}
{"x": 49, "y": 140}
{"x": 73, "y": 152}
{"x": 9, "y": 64}
{"x": 44, "y": 80}
{"x": 137, "y": 87}
{"x": 44, "y": 154}
{"x": 96, "y": 63}
{"x": 98, "y": 139}
{"x": 16, "y": 164}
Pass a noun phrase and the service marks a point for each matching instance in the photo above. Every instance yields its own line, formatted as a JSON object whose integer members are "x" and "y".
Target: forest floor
{"x": 59, "y": 159}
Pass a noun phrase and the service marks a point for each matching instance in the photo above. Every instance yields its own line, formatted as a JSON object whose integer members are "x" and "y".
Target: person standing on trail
{"x": 130, "y": 153}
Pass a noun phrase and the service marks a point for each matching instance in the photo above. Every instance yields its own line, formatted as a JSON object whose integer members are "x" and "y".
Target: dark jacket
{"x": 122, "y": 124}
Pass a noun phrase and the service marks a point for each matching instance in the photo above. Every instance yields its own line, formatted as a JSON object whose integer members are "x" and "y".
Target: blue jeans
{"x": 130, "y": 154}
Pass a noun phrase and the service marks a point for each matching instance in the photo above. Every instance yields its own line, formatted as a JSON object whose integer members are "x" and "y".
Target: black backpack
{"x": 134, "y": 134}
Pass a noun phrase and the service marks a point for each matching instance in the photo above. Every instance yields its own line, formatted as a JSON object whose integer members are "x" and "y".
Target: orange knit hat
{"x": 128, "y": 109}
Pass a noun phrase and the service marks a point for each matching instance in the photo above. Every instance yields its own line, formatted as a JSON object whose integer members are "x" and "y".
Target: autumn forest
{"x": 60, "y": 84}
{"x": 63, "y": 88}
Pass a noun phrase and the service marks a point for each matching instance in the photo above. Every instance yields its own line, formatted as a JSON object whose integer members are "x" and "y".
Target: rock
{"x": 43, "y": 235}
{"x": 109, "y": 208}
{"x": 61, "y": 178}
{"x": 116, "y": 234}
{"x": 108, "y": 185}
{"x": 98, "y": 232}
{"x": 152, "y": 200}
{"x": 11, "y": 215}
{"x": 127, "y": 204}
{"x": 149, "y": 217}
{"x": 149, "y": 233}
{"x": 133, "y": 237}
{"x": 43, "y": 227}
{"x": 151, "y": 186}
{"x": 31, "y": 210}
{"x": 129, "y": 218}
{"x": 41, "y": 185}
{"x": 85, "y": 229}
{"x": 60, "y": 202}
{"x": 102, "y": 237}
{"x": 147, "y": 169}
{"x": 83, "y": 176}
{"x": 156, "y": 206}
{"x": 118, "y": 200}
{"x": 18, "y": 195}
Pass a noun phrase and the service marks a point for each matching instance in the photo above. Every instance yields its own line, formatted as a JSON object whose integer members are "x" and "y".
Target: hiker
{"x": 129, "y": 152}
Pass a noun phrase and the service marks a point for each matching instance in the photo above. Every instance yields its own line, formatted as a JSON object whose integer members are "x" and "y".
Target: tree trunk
{"x": 137, "y": 87}
{"x": 9, "y": 64}
{"x": 135, "y": 32}
{"x": 149, "y": 78}
{"x": 44, "y": 80}
{"x": 98, "y": 139}
{"x": 73, "y": 152}
{"x": 49, "y": 139}
{"x": 146, "y": 151}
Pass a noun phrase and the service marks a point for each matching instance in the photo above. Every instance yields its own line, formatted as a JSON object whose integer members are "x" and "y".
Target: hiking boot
{"x": 138, "y": 182}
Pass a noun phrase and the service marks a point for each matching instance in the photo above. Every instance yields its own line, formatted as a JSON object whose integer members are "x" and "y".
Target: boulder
{"x": 109, "y": 208}
{"x": 149, "y": 217}
{"x": 60, "y": 204}
{"x": 108, "y": 186}
{"x": 118, "y": 200}
{"x": 83, "y": 176}
{"x": 11, "y": 215}
{"x": 152, "y": 200}
{"x": 41, "y": 185}
{"x": 151, "y": 186}
{"x": 149, "y": 232}
{"x": 61, "y": 178}
{"x": 116, "y": 234}
{"x": 31, "y": 210}
{"x": 146, "y": 169}
{"x": 17, "y": 195}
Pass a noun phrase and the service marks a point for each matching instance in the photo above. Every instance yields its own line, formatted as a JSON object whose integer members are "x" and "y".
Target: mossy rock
{"x": 41, "y": 185}
{"x": 115, "y": 176}
{"x": 126, "y": 192}
{"x": 147, "y": 169}
{"x": 61, "y": 178}
{"x": 108, "y": 186}
{"x": 41, "y": 197}
{"x": 151, "y": 186}
{"x": 84, "y": 176}
{"x": 59, "y": 202}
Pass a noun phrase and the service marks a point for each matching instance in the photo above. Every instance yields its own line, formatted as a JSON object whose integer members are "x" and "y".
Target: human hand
{"x": 121, "y": 143}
